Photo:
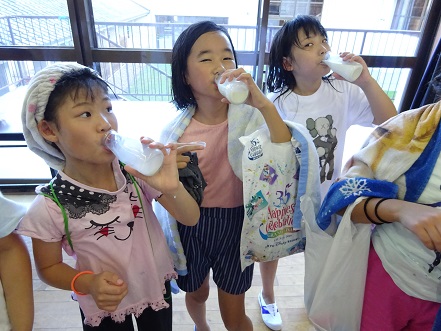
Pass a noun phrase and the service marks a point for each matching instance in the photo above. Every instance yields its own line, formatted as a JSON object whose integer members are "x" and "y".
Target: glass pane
{"x": 14, "y": 77}
{"x": 367, "y": 42}
{"x": 35, "y": 23}
{"x": 138, "y": 81}
{"x": 394, "y": 30}
{"x": 141, "y": 81}
{"x": 374, "y": 42}
{"x": 392, "y": 81}
{"x": 157, "y": 24}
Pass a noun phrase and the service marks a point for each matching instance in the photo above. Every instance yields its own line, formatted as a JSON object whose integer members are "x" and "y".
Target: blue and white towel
{"x": 406, "y": 144}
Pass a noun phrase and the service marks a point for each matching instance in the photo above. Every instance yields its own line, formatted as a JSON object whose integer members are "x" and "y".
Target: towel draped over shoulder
{"x": 242, "y": 121}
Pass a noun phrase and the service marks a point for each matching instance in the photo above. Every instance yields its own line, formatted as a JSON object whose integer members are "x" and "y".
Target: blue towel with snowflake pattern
{"x": 408, "y": 144}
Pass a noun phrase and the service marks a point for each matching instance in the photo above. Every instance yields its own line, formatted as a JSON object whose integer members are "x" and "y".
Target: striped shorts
{"x": 215, "y": 243}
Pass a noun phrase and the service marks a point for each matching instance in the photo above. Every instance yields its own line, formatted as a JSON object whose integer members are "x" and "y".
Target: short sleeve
{"x": 43, "y": 220}
{"x": 10, "y": 215}
{"x": 360, "y": 109}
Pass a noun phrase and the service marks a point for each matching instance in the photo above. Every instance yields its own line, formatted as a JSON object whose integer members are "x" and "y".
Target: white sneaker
{"x": 270, "y": 314}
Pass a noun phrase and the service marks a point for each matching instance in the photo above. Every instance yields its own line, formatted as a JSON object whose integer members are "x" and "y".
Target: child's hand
{"x": 166, "y": 180}
{"x": 279, "y": 132}
{"x": 107, "y": 289}
{"x": 424, "y": 222}
{"x": 255, "y": 98}
{"x": 182, "y": 160}
{"x": 365, "y": 75}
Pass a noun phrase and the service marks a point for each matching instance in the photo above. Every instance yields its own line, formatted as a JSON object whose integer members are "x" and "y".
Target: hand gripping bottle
{"x": 132, "y": 152}
{"x": 235, "y": 91}
{"x": 348, "y": 70}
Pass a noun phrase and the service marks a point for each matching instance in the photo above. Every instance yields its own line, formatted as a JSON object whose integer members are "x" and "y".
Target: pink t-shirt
{"x": 224, "y": 189}
{"x": 109, "y": 232}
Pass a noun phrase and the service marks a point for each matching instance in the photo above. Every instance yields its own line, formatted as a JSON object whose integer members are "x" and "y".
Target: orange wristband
{"x": 72, "y": 283}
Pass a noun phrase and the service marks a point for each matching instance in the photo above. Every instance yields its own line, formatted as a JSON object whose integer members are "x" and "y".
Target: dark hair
{"x": 72, "y": 83}
{"x": 278, "y": 78}
{"x": 182, "y": 95}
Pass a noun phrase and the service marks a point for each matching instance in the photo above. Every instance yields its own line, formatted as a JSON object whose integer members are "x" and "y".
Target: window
{"x": 129, "y": 42}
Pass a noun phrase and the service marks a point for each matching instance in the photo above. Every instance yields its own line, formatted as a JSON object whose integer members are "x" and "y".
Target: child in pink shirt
{"x": 97, "y": 209}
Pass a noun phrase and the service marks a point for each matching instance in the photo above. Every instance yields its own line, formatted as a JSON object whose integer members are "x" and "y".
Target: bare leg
{"x": 267, "y": 301}
{"x": 232, "y": 308}
{"x": 268, "y": 273}
{"x": 195, "y": 302}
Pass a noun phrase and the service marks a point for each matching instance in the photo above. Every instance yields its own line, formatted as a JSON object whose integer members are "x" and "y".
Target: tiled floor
{"x": 54, "y": 310}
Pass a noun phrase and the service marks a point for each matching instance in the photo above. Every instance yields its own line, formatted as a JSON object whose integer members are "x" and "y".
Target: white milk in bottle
{"x": 131, "y": 151}
{"x": 348, "y": 70}
{"x": 235, "y": 91}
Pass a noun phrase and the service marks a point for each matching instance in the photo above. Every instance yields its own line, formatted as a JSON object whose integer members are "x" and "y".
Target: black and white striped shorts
{"x": 215, "y": 243}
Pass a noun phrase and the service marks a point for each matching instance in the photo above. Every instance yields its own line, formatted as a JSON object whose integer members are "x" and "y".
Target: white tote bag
{"x": 335, "y": 274}
{"x": 270, "y": 177}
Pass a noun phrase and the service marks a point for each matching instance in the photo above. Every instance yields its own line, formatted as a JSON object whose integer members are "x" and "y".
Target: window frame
{"x": 85, "y": 50}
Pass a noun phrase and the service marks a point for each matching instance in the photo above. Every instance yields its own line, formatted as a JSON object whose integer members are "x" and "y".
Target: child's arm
{"x": 381, "y": 105}
{"x": 279, "y": 132}
{"x": 178, "y": 202}
{"x": 424, "y": 221}
{"x": 181, "y": 206}
{"x": 16, "y": 278}
{"x": 106, "y": 288}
